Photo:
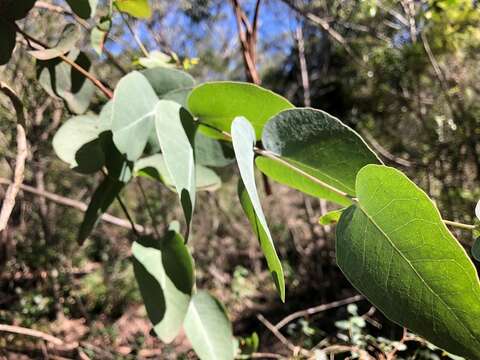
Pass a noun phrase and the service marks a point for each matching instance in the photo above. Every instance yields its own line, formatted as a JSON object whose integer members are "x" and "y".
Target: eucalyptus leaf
{"x": 218, "y": 103}
{"x": 156, "y": 59}
{"x": 211, "y": 152}
{"x": 165, "y": 275}
{"x": 394, "y": 248}
{"x": 164, "y": 80}
{"x": 208, "y": 328}
{"x": 68, "y": 39}
{"x": 77, "y": 143}
{"x": 136, "y": 8}
{"x": 83, "y": 8}
{"x": 101, "y": 200}
{"x": 243, "y": 138}
{"x": 154, "y": 167}
{"x": 175, "y": 131}
{"x": 319, "y": 145}
{"x": 99, "y": 34}
{"x": 62, "y": 81}
{"x": 477, "y": 210}
{"x": 133, "y": 121}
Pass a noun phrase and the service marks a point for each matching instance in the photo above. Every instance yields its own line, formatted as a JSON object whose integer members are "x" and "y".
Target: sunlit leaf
{"x": 243, "y": 138}
{"x": 133, "y": 121}
{"x": 208, "y": 328}
{"x": 157, "y": 59}
{"x": 218, "y": 103}
{"x": 394, "y": 248}
{"x": 165, "y": 275}
{"x": 99, "y": 34}
{"x": 330, "y": 217}
{"x": 175, "y": 131}
{"x": 136, "y": 8}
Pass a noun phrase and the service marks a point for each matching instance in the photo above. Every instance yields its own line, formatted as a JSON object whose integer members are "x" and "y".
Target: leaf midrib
{"x": 203, "y": 330}
{"x": 396, "y": 249}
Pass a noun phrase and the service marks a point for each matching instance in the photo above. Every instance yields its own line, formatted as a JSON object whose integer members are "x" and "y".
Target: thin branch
{"x": 22, "y": 152}
{"x": 317, "y": 309}
{"x": 74, "y": 204}
{"x": 459, "y": 225}
{"x": 293, "y": 348}
{"x": 37, "y": 44}
{"x": 149, "y": 209}
{"x": 320, "y": 22}
{"x": 134, "y": 34}
{"x": 30, "y": 332}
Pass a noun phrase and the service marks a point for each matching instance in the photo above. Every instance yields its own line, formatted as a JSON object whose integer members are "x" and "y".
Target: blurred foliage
{"x": 407, "y": 78}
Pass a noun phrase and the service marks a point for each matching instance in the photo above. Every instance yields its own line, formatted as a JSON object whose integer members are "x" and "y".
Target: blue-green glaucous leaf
{"x": 394, "y": 248}
{"x": 175, "y": 131}
{"x": 208, "y": 328}
{"x": 243, "y": 138}
{"x": 133, "y": 114}
{"x": 165, "y": 275}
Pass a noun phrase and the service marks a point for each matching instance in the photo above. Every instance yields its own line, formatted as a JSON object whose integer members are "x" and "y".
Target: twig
{"x": 320, "y": 22}
{"x": 37, "y": 44}
{"x": 295, "y": 349}
{"x": 30, "y": 332}
{"x": 149, "y": 209}
{"x": 317, "y": 309}
{"x": 22, "y": 152}
{"x": 74, "y": 204}
{"x": 134, "y": 34}
{"x": 259, "y": 355}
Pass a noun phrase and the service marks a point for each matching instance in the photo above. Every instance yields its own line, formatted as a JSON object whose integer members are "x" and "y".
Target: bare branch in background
{"x": 22, "y": 152}
{"x": 75, "y": 204}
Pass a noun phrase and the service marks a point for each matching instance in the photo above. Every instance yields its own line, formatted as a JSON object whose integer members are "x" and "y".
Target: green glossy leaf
{"x": 136, "y": 8}
{"x": 101, "y": 200}
{"x": 175, "y": 131}
{"x": 67, "y": 42}
{"x": 331, "y": 217}
{"x": 394, "y": 248}
{"x": 60, "y": 80}
{"x": 77, "y": 143}
{"x": 133, "y": 121}
{"x": 211, "y": 152}
{"x": 284, "y": 175}
{"x": 165, "y": 275}
{"x": 318, "y": 144}
{"x": 83, "y": 8}
{"x": 218, "y": 103}
{"x": 208, "y": 328}
{"x": 7, "y": 41}
{"x": 154, "y": 167}
{"x": 243, "y": 138}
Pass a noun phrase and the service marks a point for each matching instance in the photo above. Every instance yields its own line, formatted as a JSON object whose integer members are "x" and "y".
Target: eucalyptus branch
{"x": 37, "y": 44}
{"x": 134, "y": 34}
